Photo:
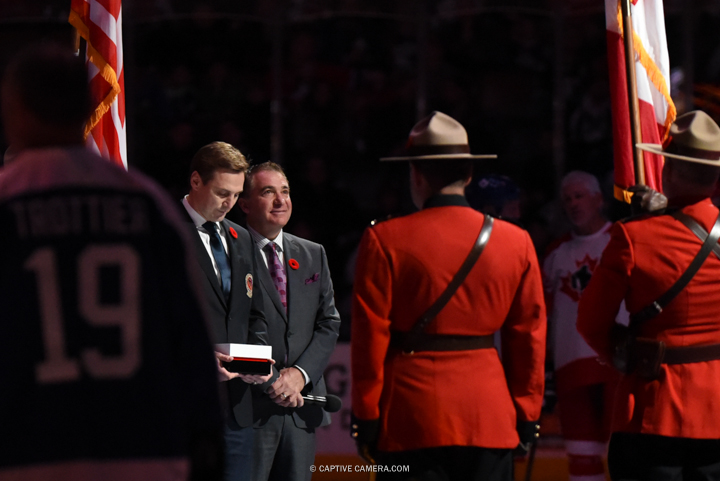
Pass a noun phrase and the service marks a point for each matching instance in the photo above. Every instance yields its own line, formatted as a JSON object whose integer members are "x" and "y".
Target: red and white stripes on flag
{"x": 652, "y": 69}
{"x": 99, "y": 22}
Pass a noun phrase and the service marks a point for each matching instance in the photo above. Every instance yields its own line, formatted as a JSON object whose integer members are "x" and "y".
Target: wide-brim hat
{"x": 694, "y": 137}
{"x": 438, "y": 136}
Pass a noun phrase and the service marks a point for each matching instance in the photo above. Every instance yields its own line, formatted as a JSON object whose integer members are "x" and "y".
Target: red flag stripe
{"x": 111, "y": 6}
{"x": 100, "y": 24}
{"x": 103, "y": 34}
{"x": 104, "y": 47}
{"x": 622, "y": 139}
{"x": 654, "y": 74}
{"x": 121, "y": 98}
{"x": 656, "y": 110}
{"x": 104, "y": 95}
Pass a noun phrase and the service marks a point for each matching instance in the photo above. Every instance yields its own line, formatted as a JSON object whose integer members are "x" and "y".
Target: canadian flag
{"x": 99, "y": 22}
{"x": 652, "y": 70}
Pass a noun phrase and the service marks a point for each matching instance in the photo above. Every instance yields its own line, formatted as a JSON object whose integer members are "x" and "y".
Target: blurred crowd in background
{"x": 327, "y": 87}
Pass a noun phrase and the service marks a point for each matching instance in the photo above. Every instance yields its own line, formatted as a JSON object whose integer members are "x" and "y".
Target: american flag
{"x": 652, "y": 72}
{"x": 99, "y": 22}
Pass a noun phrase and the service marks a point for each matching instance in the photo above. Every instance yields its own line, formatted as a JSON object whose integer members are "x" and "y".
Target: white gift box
{"x": 247, "y": 358}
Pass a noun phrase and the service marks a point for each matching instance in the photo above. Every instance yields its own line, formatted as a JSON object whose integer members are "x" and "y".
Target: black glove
{"x": 365, "y": 434}
{"x": 550, "y": 396}
{"x": 646, "y": 200}
{"x": 528, "y": 431}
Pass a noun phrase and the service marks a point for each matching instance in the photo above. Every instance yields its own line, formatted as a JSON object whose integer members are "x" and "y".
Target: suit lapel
{"x": 206, "y": 265}
{"x": 237, "y": 274}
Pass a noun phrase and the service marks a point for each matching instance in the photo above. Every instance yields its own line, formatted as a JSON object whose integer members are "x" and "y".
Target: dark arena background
{"x": 326, "y": 87}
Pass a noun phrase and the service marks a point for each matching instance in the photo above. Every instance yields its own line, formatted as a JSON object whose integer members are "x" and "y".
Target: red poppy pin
{"x": 294, "y": 264}
{"x": 233, "y": 233}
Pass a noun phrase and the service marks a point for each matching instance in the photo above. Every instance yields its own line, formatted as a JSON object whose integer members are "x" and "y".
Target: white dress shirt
{"x": 261, "y": 242}
{"x": 199, "y": 220}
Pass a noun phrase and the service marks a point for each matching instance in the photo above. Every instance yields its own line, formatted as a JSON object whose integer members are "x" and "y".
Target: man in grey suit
{"x": 303, "y": 326}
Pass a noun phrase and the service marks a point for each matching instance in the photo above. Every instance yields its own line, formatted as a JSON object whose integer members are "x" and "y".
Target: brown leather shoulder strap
{"x": 696, "y": 229}
{"x": 439, "y": 304}
{"x": 709, "y": 241}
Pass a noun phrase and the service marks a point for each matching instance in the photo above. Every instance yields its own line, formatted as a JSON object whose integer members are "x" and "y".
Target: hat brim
{"x": 657, "y": 149}
{"x": 438, "y": 157}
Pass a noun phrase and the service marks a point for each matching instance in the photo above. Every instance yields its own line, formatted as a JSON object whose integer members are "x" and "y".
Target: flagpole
{"x": 632, "y": 92}
{"x": 76, "y": 41}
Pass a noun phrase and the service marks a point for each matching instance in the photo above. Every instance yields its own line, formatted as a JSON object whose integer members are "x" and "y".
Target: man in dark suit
{"x": 303, "y": 327}
{"x": 225, "y": 255}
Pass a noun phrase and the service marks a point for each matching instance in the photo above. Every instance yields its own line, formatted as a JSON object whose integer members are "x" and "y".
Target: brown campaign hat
{"x": 438, "y": 136}
{"x": 694, "y": 137}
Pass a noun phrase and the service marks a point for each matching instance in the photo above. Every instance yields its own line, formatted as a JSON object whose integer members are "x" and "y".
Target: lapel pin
{"x": 233, "y": 233}
{"x": 248, "y": 283}
{"x": 293, "y": 264}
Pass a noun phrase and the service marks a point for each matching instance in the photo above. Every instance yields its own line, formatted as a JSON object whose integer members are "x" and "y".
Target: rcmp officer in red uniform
{"x": 437, "y": 396}
{"x": 666, "y": 424}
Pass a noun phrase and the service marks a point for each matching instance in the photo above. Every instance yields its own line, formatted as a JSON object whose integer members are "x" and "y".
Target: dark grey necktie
{"x": 221, "y": 258}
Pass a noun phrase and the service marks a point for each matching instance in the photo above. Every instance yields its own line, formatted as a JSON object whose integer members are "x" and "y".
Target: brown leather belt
{"x": 690, "y": 354}
{"x": 443, "y": 342}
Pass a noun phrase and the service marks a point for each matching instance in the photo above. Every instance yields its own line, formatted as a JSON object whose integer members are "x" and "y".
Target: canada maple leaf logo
{"x": 574, "y": 283}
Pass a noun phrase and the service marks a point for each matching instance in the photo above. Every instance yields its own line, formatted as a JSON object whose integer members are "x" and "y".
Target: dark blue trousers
{"x": 238, "y": 451}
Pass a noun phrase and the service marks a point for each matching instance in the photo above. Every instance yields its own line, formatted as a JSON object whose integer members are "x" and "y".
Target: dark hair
{"x": 492, "y": 190}
{"x": 257, "y": 168}
{"x": 444, "y": 172}
{"x": 51, "y": 82}
{"x": 217, "y": 156}
{"x": 702, "y": 175}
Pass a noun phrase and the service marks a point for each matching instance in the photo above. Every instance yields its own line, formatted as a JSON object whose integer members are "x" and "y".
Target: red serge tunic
{"x": 643, "y": 259}
{"x": 461, "y": 398}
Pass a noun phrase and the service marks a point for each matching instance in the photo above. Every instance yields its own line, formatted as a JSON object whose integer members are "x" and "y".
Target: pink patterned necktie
{"x": 277, "y": 272}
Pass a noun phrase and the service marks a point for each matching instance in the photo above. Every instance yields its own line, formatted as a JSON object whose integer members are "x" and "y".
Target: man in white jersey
{"x": 584, "y": 385}
{"x": 106, "y": 367}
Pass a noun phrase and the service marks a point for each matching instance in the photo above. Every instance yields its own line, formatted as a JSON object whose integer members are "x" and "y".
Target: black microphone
{"x": 329, "y": 403}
